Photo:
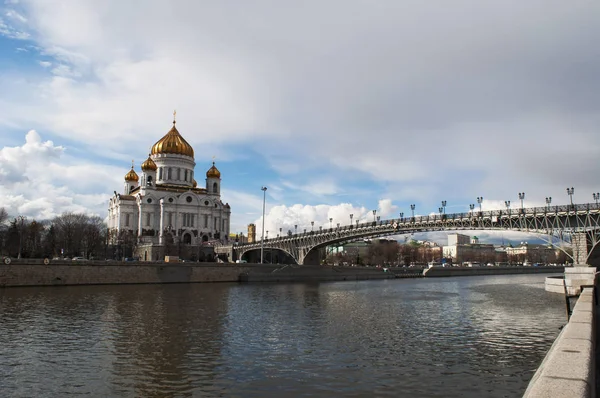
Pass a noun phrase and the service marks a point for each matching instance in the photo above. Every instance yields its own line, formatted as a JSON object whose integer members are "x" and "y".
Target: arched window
{"x": 160, "y": 173}
{"x": 178, "y": 173}
{"x": 185, "y": 175}
{"x": 169, "y": 173}
{"x": 215, "y": 188}
{"x": 187, "y": 239}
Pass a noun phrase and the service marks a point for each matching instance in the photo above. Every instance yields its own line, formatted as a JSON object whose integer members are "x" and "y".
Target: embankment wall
{"x": 568, "y": 370}
{"x": 90, "y": 273}
{"x": 474, "y": 271}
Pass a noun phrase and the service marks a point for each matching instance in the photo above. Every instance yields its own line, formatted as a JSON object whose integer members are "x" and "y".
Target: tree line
{"x": 67, "y": 235}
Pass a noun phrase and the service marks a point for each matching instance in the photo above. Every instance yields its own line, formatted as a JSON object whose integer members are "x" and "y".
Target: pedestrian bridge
{"x": 577, "y": 224}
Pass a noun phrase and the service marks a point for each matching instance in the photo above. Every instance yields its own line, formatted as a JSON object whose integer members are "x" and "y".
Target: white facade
{"x": 167, "y": 207}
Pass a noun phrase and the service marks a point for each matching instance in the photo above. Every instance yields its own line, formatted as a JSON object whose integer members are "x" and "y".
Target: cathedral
{"x": 162, "y": 211}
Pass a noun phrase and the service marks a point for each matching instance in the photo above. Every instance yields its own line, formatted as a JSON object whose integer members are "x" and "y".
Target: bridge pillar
{"x": 584, "y": 253}
{"x": 311, "y": 258}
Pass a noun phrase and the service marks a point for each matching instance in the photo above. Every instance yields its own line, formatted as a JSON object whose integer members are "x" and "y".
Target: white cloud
{"x": 37, "y": 180}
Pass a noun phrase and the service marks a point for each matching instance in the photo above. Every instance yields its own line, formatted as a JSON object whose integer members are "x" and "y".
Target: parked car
{"x": 79, "y": 259}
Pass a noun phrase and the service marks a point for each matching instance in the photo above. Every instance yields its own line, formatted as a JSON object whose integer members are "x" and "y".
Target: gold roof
{"x": 149, "y": 164}
{"x": 173, "y": 142}
{"x": 213, "y": 172}
{"x": 132, "y": 175}
{"x": 195, "y": 184}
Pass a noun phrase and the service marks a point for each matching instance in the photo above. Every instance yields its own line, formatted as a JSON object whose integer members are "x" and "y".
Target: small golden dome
{"x": 213, "y": 172}
{"x": 149, "y": 165}
{"x": 132, "y": 175}
{"x": 194, "y": 184}
{"x": 174, "y": 143}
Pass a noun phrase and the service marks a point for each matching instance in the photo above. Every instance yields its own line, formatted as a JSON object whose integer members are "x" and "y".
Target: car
{"x": 79, "y": 259}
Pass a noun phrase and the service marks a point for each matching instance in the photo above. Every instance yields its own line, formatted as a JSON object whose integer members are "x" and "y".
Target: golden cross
{"x": 174, "y": 115}
{"x": 132, "y": 163}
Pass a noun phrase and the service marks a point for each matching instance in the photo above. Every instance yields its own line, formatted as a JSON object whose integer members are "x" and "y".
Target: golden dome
{"x": 173, "y": 142}
{"x": 194, "y": 184}
{"x": 132, "y": 175}
{"x": 149, "y": 165}
{"x": 213, "y": 172}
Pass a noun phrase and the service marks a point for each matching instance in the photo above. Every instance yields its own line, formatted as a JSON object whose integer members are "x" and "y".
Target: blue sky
{"x": 339, "y": 107}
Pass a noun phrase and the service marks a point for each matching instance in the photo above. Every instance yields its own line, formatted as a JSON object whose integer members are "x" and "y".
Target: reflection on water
{"x": 447, "y": 337}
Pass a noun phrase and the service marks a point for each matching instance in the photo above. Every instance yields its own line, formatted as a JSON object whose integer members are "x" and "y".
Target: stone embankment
{"x": 102, "y": 273}
{"x": 35, "y": 273}
{"x": 569, "y": 368}
{"x": 475, "y": 271}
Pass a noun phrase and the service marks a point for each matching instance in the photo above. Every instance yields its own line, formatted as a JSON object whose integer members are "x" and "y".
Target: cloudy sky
{"x": 338, "y": 107}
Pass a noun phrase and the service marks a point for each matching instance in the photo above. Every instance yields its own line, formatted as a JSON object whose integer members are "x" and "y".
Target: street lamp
{"x": 295, "y": 229}
{"x": 549, "y": 200}
{"x": 378, "y": 218}
{"x": 320, "y": 228}
{"x": 330, "y": 221}
{"x": 479, "y": 200}
{"x": 262, "y": 239}
{"x": 21, "y": 220}
{"x": 570, "y": 192}
{"x": 312, "y": 224}
{"x": 472, "y": 206}
{"x": 521, "y": 198}
{"x": 357, "y": 221}
{"x": 412, "y": 207}
{"x": 507, "y": 204}
{"x": 374, "y": 212}
{"x": 280, "y": 234}
{"x": 338, "y": 225}
{"x": 444, "y": 206}
{"x": 351, "y": 215}
{"x": 441, "y": 209}
{"x": 596, "y": 197}
{"x": 401, "y": 216}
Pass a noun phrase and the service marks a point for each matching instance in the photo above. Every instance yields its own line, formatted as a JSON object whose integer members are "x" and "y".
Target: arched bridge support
{"x": 585, "y": 248}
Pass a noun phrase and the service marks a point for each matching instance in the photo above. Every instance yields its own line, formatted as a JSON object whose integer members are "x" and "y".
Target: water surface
{"x": 444, "y": 337}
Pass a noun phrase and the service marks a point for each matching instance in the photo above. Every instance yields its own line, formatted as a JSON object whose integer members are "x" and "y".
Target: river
{"x": 439, "y": 337}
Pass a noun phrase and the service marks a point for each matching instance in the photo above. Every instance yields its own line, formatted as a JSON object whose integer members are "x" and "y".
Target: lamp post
{"x": 338, "y": 225}
{"x": 312, "y": 224}
{"x": 412, "y": 208}
{"x": 330, "y": 221}
{"x": 441, "y": 209}
{"x": 262, "y": 239}
{"x": 480, "y": 200}
{"x": 472, "y": 206}
{"x": 280, "y": 234}
{"x": 401, "y": 216}
{"x": 521, "y": 198}
{"x": 320, "y": 228}
{"x": 374, "y": 212}
{"x": 444, "y": 206}
{"x": 351, "y": 215}
{"x": 549, "y": 200}
{"x": 296, "y": 229}
{"x": 21, "y": 220}
{"x": 357, "y": 221}
{"x": 596, "y": 197}
{"x": 570, "y": 192}
{"x": 507, "y": 204}
{"x": 378, "y": 218}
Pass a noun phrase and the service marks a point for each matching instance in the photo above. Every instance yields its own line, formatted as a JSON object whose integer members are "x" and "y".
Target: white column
{"x": 140, "y": 219}
{"x": 162, "y": 222}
